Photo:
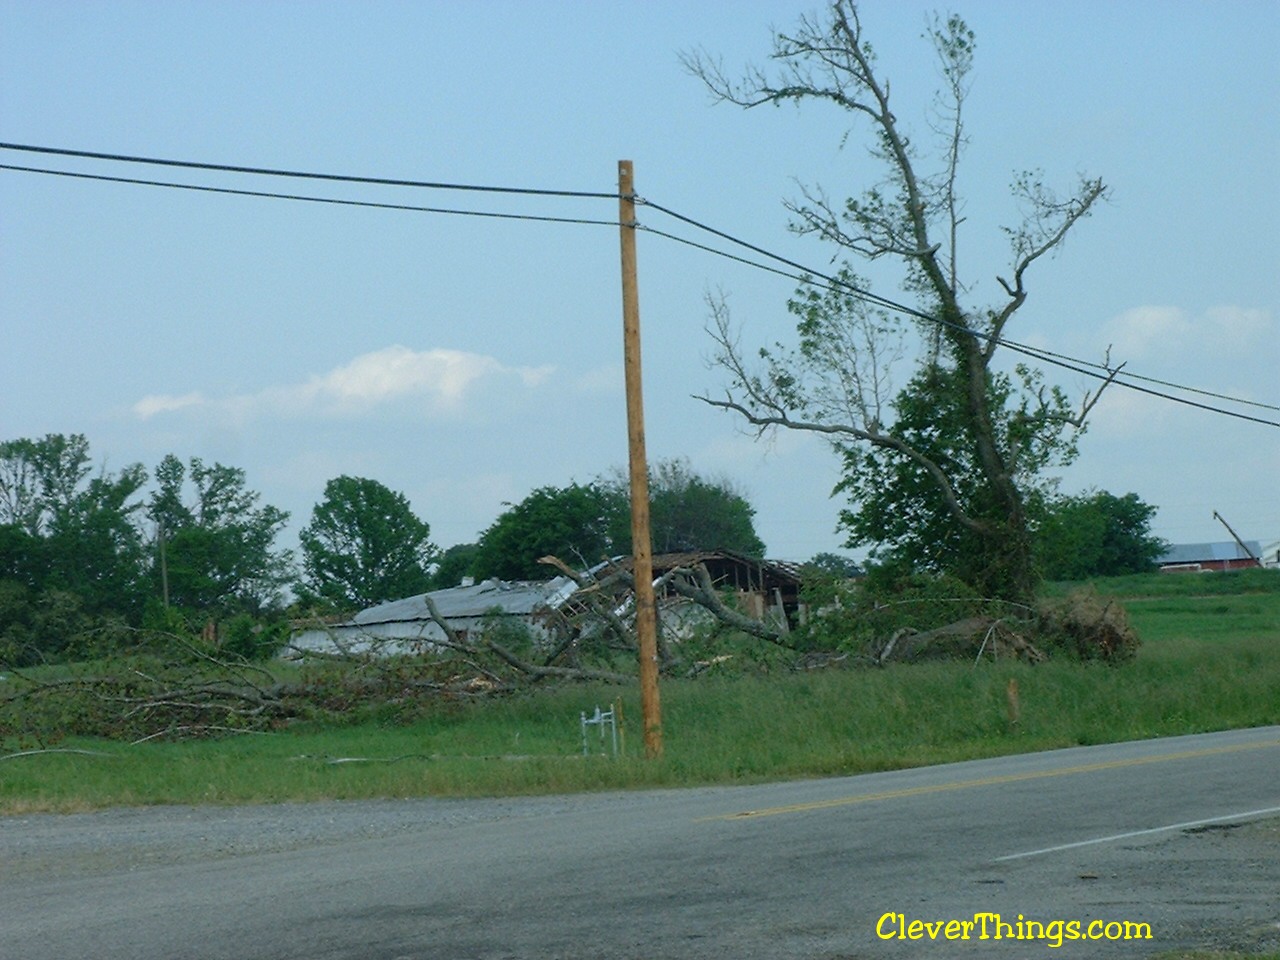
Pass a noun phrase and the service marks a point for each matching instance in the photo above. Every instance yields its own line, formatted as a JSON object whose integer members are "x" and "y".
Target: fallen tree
{"x": 973, "y": 637}
{"x": 862, "y": 627}
{"x": 487, "y": 644}
{"x": 144, "y": 697}
{"x": 177, "y": 688}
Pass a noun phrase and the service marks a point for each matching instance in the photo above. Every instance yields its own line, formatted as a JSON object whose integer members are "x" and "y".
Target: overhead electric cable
{"x": 1073, "y": 364}
{"x": 1046, "y": 358}
{"x": 853, "y": 288}
{"x": 302, "y": 174}
{"x": 306, "y": 198}
{"x": 805, "y": 275}
{"x": 721, "y": 253}
{"x": 1046, "y": 354}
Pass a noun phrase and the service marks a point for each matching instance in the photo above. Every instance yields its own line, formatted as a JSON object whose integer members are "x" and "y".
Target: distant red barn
{"x": 1205, "y": 557}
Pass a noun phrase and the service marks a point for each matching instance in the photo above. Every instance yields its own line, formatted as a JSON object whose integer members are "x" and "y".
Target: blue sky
{"x": 466, "y": 361}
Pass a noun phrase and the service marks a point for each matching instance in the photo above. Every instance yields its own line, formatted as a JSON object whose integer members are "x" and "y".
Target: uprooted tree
{"x": 944, "y": 472}
{"x": 176, "y": 687}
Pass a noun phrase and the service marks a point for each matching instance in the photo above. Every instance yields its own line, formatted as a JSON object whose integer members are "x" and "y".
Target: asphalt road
{"x": 1181, "y": 834}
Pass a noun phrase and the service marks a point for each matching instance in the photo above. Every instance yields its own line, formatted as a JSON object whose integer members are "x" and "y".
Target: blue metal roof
{"x": 1218, "y": 552}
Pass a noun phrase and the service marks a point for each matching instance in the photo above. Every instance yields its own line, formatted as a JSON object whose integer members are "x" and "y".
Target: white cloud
{"x": 535, "y": 376}
{"x": 1136, "y": 332}
{"x": 1156, "y": 332}
{"x": 399, "y": 371}
{"x": 604, "y": 379}
{"x": 1126, "y": 415}
{"x": 148, "y": 407}
{"x": 441, "y": 379}
{"x": 1241, "y": 326}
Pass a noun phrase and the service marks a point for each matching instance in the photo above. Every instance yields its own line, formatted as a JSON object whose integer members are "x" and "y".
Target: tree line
{"x": 90, "y": 557}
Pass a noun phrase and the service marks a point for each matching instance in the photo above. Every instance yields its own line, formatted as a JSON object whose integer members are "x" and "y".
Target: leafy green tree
{"x": 21, "y": 505}
{"x": 23, "y": 557}
{"x": 828, "y": 591}
{"x": 837, "y": 380}
{"x": 96, "y": 548}
{"x": 166, "y": 507}
{"x": 688, "y": 512}
{"x": 45, "y": 626}
{"x": 579, "y": 523}
{"x": 364, "y": 545}
{"x": 455, "y": 563}
{"x": 1097, "y": 535}
{"x": 834, "y": 565}
{"x": 67, "y": 530}
{"x": 586, "y": 523}
{"x": 250, "y": 638}
{"x": 902, "y": 513}
{"x": 219, "y": 553}
{"x": 40, "y": 480}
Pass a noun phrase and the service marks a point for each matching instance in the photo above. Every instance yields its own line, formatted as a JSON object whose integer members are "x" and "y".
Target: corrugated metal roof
{"x": 1207, "y": 552}
{"x": 521, "y": 598}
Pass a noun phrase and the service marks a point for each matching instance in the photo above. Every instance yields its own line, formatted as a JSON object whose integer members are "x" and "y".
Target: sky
{"x": 466, "y": 361}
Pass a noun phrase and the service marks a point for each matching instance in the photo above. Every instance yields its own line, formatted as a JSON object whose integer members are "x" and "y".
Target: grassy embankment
{"x": 1210, "y": 660}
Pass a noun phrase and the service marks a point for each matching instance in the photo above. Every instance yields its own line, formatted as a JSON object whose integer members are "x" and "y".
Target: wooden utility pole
{"x": 642, "y": 556}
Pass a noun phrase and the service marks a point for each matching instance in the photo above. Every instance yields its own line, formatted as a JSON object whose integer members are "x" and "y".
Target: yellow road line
{"x": 985, "y": 782}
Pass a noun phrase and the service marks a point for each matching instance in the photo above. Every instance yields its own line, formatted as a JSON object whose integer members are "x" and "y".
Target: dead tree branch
{"x": 575, "y": 673}
{"x": 694, "y": 583}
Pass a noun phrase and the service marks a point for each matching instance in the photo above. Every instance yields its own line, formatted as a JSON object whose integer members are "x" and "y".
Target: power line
{"x": 1064, "y": 361}
{"x": 1048, "y": 358}
{"x": 306, "y": 198}
{"x": 805, "y": 275}
{"x": 862, "y": 293}
{"x": 720, "y": 253}
{"x": 1046, "y": 354}
{"x": 302, "y": 174}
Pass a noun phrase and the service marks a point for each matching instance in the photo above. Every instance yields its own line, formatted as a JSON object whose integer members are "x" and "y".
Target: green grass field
{"x": 1210, "y": 660}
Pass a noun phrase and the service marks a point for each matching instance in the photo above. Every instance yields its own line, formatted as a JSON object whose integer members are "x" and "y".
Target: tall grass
{"x": 1210, "y": 660}
{"x": 1231, "y": 583}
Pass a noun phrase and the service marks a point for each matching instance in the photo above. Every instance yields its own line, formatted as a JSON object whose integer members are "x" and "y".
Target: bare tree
{"x": 837, "y": 382}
